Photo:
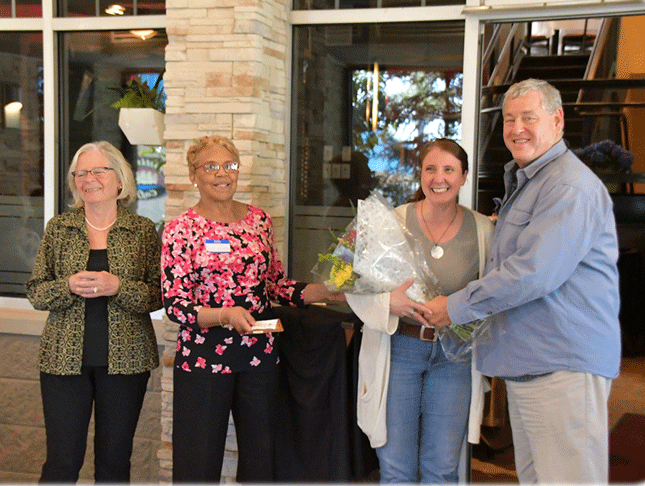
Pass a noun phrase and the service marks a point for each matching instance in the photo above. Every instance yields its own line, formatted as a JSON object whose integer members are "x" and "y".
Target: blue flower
{"x": 605, "y": 146}
{"x": 597, "y": 157}
{"x": 606, "y": 155}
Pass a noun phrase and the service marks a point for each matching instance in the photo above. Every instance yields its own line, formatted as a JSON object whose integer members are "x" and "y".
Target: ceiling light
{"x": 144, "y": 34}
{"x": 115, "y": 9}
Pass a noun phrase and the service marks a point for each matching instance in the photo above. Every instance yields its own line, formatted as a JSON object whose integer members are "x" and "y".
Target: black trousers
{"x": 67, "y": 406}
{"x": 201, "y": 406}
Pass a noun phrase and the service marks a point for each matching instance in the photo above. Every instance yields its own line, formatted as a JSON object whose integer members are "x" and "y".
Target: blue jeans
{"x": 427, "y": 414}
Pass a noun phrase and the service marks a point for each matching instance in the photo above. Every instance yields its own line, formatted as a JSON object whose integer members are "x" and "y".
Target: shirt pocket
{"x": 513, "y": 225}
{"x": 518, "y": 217}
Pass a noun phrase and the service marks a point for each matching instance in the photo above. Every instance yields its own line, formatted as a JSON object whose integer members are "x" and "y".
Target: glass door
{"x": 365, "y": 96}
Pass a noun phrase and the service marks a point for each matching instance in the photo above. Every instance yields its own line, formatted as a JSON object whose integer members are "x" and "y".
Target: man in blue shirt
{"x": 551, "y": 291}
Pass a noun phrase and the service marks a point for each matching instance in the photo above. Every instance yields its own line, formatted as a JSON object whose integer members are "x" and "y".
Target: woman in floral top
{"x": 220, "y": 273}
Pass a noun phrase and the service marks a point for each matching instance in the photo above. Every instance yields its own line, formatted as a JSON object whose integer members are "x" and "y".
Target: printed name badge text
{"x": 218, "y": 246}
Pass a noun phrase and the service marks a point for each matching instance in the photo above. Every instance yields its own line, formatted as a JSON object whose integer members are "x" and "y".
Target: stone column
{"x": 225, "y": 74}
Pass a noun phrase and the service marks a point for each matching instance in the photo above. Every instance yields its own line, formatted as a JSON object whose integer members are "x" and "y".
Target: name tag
{"x": 218, "y": 246}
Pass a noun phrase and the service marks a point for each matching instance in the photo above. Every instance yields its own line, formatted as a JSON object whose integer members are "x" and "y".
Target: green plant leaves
{"x": 137, "y": 94}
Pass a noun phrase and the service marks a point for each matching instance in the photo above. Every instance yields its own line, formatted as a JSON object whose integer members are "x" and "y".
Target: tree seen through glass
{"x": 393, "y": 112}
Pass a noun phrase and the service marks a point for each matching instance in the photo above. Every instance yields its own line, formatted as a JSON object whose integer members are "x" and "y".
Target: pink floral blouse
{"x": 209, "y": 264}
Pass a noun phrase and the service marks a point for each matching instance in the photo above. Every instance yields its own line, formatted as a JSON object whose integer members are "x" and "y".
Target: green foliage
{"x": 464, "y": 331}
{"x": 137, "y": 94}
{"x": 427, "y": 96}
{"x": 426, "y": 105}
{"x": 155, "y": 154}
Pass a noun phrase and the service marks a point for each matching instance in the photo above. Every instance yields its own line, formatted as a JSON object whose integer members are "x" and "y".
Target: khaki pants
{"x": 560, "y": 428}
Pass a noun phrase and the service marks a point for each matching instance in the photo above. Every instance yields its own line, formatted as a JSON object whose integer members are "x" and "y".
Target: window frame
{"x": 50, "y": 27}
{"x": 476, "y": 14}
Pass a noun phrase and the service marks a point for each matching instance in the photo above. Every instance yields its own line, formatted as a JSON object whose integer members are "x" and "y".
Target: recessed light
{"x": 115, "y": 9}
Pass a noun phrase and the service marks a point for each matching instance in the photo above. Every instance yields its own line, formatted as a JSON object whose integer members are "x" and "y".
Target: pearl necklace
{"x": 100, "y": 229}
{"x": 436, "y": 251}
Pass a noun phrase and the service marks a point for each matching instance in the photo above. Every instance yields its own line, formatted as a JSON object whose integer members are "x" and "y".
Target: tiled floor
{"x": 628, "y": 390}
{"x": 627, "y": 396}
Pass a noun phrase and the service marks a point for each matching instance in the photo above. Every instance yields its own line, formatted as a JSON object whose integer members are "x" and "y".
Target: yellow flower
{"x": 342, "y": 275}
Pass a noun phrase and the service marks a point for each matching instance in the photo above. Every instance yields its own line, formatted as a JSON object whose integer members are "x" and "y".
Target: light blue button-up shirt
{"x": 551, "y": 281}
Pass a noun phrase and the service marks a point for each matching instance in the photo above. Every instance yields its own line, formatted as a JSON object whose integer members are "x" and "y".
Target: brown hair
{"x": 446, "y": 145}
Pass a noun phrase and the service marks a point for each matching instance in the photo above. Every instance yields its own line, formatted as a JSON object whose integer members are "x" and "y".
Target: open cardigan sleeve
{"x": 479, "y": 384}
{"x": 373, "y": 363}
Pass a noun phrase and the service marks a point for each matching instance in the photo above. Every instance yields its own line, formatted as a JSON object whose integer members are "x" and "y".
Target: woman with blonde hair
{"x": 97, "y": 273}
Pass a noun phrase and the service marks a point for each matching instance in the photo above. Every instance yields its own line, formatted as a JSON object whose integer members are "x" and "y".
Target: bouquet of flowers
{"x": 338, "y": 262}
{"x": 373, "y": 255}
{"x": 377, "y": 254}
{"x": 456, "y": 339}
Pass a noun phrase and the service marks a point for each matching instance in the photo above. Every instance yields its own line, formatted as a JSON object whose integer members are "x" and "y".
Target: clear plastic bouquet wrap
{"x": 377, "y": 254}
{"x": 373, "y": 255}
{"x": 456, "y": 339}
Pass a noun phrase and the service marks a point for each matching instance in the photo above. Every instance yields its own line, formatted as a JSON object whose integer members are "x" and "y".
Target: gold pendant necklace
{"x": 436, "y": 251}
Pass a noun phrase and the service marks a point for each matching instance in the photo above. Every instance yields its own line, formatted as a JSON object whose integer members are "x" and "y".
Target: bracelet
{"x": 219, "y": 318}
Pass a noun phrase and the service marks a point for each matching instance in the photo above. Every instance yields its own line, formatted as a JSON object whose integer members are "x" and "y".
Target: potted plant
{"x": 141, "y": 112}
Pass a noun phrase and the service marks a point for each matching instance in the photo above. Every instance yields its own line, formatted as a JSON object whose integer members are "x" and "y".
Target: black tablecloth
{"x": 632, "y": 304}
{"x": 318, "y": 439}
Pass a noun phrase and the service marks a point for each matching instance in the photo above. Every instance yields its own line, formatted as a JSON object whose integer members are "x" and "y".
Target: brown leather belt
{"x": 417, "y": 331}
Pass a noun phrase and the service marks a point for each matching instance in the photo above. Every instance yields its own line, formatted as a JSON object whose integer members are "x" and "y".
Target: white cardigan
{"x": 374, "y": 357}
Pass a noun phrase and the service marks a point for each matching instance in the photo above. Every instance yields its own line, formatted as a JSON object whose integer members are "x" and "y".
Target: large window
{"x": 81, "y": 8}
{"x": 21, "y": 156}
{"x": 94, "y": 63}
{"x": 596, "y": 64}
{"x": 395, "y": 110}
{"x": 54, "y": 92}
{"x": 365, "y": 96}
{"x": 337, "y": 4}
{"x": 20, "y": 8}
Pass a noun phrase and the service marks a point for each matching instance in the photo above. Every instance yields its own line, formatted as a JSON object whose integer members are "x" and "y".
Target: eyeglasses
{"x": 96, "y": 172}
{"x": 227, "y": 166}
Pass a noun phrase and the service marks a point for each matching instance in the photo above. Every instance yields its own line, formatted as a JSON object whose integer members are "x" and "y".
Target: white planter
{"x": 142, "y": 126}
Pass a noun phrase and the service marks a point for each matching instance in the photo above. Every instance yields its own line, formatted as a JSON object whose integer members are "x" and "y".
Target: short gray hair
{"x": 550, "y": 96}
{"x": 117, "y": 161}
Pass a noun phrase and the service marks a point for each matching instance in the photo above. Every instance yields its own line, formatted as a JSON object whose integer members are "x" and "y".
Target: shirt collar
{"x": 534, "y": 166}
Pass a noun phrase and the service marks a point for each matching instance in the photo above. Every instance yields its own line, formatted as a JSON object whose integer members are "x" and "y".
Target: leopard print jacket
{"x": 134, "y": 250}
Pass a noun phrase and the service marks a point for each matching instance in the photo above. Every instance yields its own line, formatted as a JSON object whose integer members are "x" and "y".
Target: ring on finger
{"x": 95, "y": 289}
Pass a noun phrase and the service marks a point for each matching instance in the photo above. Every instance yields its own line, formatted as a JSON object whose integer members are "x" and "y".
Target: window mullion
{"x": 110, "y": 23}
{"x": 50, "y": 146}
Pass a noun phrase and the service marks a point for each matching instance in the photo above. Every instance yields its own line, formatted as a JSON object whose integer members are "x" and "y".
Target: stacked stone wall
{"x": 22, "y": 429}
{"x": 225, "y": 75}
